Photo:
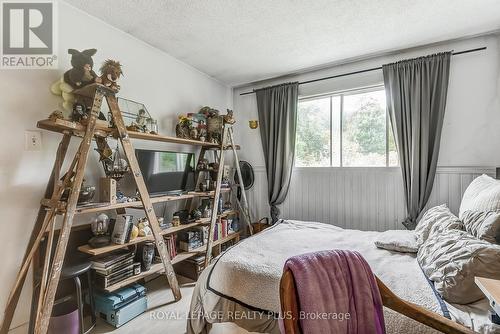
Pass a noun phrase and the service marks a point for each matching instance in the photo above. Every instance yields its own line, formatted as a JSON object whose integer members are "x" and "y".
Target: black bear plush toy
{"x": 81, "y": 74}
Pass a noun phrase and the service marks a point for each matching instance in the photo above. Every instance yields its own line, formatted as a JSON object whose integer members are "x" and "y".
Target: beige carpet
{"x": 162, "y": 316}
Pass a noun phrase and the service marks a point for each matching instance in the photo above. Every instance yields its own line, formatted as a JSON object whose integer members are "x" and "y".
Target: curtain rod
{"x": 369, "y": 70}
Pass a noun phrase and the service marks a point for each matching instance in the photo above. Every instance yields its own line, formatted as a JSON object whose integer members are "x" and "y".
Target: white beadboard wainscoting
{"x": 367, "y": 198}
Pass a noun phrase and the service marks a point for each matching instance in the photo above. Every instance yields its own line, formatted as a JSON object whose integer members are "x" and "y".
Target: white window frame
{"x": 341, "y": 94}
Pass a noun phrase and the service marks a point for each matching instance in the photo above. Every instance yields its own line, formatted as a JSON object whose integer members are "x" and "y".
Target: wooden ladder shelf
{"x": 53, "y": 206}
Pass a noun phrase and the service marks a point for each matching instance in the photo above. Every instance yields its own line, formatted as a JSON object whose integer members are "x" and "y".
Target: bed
{"x": 254, "y": 268}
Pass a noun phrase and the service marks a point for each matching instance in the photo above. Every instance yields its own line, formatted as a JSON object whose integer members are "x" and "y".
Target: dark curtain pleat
{"x": 416, "y": 91}
{"x": 277, "y": 108}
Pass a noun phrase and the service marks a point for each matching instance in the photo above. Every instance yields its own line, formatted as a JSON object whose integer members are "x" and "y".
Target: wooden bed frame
{"x": 289, "y": 303}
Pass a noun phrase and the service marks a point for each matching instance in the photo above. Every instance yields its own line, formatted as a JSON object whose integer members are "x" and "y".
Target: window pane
{"x": 364, "y": 129}
{"x": 313, "y": 133}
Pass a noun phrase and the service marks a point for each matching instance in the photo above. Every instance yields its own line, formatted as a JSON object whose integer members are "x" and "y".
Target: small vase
{"x": 148, "y": 251}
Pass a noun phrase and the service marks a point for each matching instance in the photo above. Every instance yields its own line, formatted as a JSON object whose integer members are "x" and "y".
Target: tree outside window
{"x": 349, "y": 129}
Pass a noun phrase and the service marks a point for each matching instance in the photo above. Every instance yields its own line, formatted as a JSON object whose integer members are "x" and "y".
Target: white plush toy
{"x": 61, "y": 88}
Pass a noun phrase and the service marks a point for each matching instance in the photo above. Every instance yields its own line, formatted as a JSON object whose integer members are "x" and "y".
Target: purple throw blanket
{"x": 337, "y": 293}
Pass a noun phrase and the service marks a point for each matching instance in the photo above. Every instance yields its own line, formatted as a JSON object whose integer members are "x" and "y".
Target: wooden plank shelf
{"x": 98, "y": 207}
{"x": 106, "y": 249}
{"x": 77, "y": 129}
{"x": 171, "y": 230}
{"x": 157, "y": 268}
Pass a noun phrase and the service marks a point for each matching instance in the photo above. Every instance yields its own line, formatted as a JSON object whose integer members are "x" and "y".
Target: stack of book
{"x": 170, "y": 241}
{"x": 222, "y": 229}
{"x": 113, "y": 268}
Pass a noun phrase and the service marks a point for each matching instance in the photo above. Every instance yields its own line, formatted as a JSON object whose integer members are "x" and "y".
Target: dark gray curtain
{"x": 416, "y": 98}
{"x": 277, "y": 107}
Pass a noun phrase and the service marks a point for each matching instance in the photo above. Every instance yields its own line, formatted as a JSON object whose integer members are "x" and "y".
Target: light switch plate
{"x": 32, "y": 140}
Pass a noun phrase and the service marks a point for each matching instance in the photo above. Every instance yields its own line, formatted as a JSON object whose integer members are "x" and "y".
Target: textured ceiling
{"x": 241, "y": 41}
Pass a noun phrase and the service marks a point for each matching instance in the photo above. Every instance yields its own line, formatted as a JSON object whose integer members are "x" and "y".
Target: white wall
{"x": 469, "y": 138}
{"x": 165, "y": 85}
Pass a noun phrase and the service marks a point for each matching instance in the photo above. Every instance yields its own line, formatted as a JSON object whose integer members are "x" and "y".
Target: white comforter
{"x": 247, "y": 276}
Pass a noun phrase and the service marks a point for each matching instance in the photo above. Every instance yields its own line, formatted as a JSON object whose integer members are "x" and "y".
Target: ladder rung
{"x": 53, "y": 204}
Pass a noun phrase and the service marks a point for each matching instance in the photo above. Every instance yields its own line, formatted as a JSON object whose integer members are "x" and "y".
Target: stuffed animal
{"x": 111, "y": 71}
{"x": 229, "y": 117}
{"x": 80, "y": 75}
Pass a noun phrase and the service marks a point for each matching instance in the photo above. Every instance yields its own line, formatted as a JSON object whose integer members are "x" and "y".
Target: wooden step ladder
{"x": 227, "y": 143}
{"x": 51, "y": 208}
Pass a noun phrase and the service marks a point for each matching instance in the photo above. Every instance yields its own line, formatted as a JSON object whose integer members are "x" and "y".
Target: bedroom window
{"x": 345, "y": 130}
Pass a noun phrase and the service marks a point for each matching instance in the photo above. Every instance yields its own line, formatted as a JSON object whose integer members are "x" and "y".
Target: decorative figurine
{"x": 100, "y": 226}
{"x": 55, "y": 115}
{"x": 111, "y": 71}
{"x": 182, "y": 129}
{"x": 144, "y": 228}
{"x": 176, "y": 221}
{"x": 193, "y": 133}
{"x": 202, "y": 131}
{"x": 79, "y": 112}
{"x": 229, "y": 117}
{"x": 202, "y": 165}
{"x": 141, "y": 120}
{"x": 214, "y": 129}
{"x": 213, "y": 168}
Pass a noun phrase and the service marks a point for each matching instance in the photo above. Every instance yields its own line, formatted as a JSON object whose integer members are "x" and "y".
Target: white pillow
{"x": 436, "y": 220}
{"x": 482, "y": 194}
{"x": 483, "y": 225}
{"x": 403, "y": 241}
{"x": 452, "y": 259}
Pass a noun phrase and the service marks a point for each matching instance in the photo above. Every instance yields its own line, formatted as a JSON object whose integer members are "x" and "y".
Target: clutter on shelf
{"x": 205, "y": 125}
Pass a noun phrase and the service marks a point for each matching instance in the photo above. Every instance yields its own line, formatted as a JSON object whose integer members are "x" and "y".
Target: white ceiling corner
{"x": 240, "y": 41}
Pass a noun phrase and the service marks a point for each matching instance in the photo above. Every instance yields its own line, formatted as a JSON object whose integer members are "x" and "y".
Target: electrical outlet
{"x": 32, "y": 140}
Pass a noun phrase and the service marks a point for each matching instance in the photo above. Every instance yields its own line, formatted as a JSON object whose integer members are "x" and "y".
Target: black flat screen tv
{"x": 167, "y": 173}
